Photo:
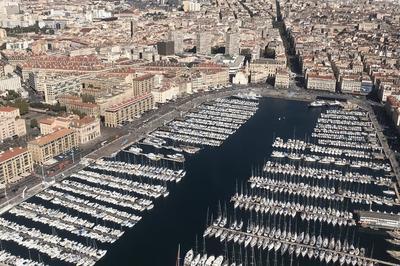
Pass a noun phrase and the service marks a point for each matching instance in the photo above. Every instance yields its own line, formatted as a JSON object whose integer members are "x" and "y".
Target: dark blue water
{"x": 211, "y": 177}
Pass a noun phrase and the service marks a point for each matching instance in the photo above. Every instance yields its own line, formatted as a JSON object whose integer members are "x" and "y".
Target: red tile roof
{"x": 7, "y": 155}
{"x": 43, "y": 140}
{"x": 7, "y": 109}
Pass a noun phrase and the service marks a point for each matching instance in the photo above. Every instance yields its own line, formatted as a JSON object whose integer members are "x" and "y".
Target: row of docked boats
{"x": 51, "y": 245}
{"x": 192, "y": 259}
{"x": 148, "y": 171}
{"x": 296, "y": 145}
{"x": 311, "y": 246}
{"x": 321, "y": 173}
{"x": 210, "y": 125}
{"x": 63, "y": 221}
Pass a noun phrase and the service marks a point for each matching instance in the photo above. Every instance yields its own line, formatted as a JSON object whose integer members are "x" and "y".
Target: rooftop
{"x": 43, "y": 140}
{"x": 7, "y": 155}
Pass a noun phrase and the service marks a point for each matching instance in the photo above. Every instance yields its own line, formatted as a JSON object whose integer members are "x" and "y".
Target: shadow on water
{"x": 211, "y": 177}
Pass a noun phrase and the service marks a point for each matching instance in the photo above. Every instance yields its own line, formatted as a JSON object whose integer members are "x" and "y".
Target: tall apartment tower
{"x": 177, "y": 38}
{"x": 232, "y": 43}
{"x": 203, "y": 43}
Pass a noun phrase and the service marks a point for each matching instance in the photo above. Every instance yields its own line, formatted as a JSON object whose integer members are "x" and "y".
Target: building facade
{"x": 128, "y": 111}
{"x": 15, "y": 164}
{"x": 232, "y": 45}
{"x": 86, "y": 128}
{"x": 203, "y": 43}
{"x": 282, "y": 79}
{"x": 46, "y": 147}
{"x": 11, "y": 124}
{"x": 177, "y": 38}
{"x": 143, "y": 84}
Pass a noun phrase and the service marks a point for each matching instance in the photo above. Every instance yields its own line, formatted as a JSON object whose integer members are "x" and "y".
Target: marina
{"x": 310, "y": 200}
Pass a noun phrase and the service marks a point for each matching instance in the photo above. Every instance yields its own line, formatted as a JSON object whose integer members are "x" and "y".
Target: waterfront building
{"x": 392, "y": 107}
{"x": 323, "y": 82}
{"x": 15, "y": 164}
{"x": 266, "y": 67}
{"x": 45, "y": 147}
{"x": 129, "y": 110}
{"x": 11, "y": 125}
{"x": 86, "y": 128}
{"x": 282, "y": 79}
{"x": 164, "y": 93}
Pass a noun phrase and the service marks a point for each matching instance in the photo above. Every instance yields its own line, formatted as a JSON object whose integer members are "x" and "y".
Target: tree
{"x": 22, "y": 105}
{"x": 34, "y": 123}
{"x": 269, "y": 53}
{"x": 78, "y": 113}
{"x": 12, "y": 95}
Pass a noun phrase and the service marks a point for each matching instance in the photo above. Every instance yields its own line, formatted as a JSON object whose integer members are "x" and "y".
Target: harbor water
{"x": 211, "y": 177}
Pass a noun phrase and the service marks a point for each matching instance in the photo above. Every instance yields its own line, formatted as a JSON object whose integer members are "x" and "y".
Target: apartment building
{"x": 75, "y": 103}
{"x": 128, "y": 111}
{"x": 11, "y": 124}
{"x": 46, "y": 147}
{"x": 266, "y": 67}
{"x": 282, "y": 79}
{"x": 165, "y": 93}
{"x": 142, "y": 84}
{"x": 350, "y": 84}
{"x": 323, "y": 82}
{"x": 15, "y": 164}
{"x": 86, "y": 128}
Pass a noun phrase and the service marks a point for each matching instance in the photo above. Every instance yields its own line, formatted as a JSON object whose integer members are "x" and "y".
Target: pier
{"x": 301, "y": 245}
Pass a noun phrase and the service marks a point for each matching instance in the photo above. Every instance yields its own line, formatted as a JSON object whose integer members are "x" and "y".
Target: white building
{"x": 165, "y": 93}
{"x": 191, "y": 6}
{"x": 241, "y": 78}
{"x": 12, "y": 83}
{"x": 57, "y": 86}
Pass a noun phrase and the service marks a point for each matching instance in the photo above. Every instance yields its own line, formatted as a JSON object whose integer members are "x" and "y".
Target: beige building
{"x": 87, "y": 128}
{"x": 10, "y": 123}
{"x": 325, "y": 82}
{"x": 350, "y": 84}
{"x": 15, "y": 164}
{"x": 263, "y": 68}
{"x": 74, "y": 103}
{"x": 165, "y": 93}
{"x": 128, "y": 111}
{"x": 282, "y": 79}
{"x": 143, "y": 84}
{"x": 46, "y": 147}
